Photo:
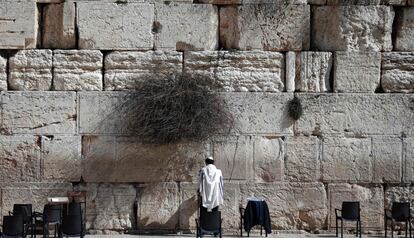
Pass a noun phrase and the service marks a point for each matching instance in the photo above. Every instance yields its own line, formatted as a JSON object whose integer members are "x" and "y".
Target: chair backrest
{"x": 24, "y": 210}
{"x": 210, "y": 221}
{"x": 52, "y": 213}
{"x": 350, "y": 210}
{"x": 72, "y": 224}
{"x": 13, "y": 225}
{"x": 400, "y": 211}
{"x": 74, "y": 208}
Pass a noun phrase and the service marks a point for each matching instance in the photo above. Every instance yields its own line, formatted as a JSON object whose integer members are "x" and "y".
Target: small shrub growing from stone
{"x": 295, "y": 108}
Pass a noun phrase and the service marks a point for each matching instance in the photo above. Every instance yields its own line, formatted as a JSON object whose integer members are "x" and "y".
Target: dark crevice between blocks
{"x": 105, "y": 54}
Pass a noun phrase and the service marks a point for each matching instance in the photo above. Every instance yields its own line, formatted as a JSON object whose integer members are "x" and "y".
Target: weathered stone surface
{"x": 366, "y": 2}
{"x": 302, "y": 162}
{"x": 408, "y": 150}
{"x": 397, "y": 72}
{"x": 291, "y": 205}
{"x": 253, "y": 71}
{"x": 346, "y": 159}
{"x": 269, "y": 155}
{"x": 126, "y": 70}
{"x": 3, "y": 74}
{"x": 387, "y": 159}
{"x": 404, "y": 29}
{"x": 290, "y": 71}
{"x": 357, "y": 71}
{"x": 365, "y": 28}
{"x": 129, "y": 26}
{"x": 19, "y": 24}
{"x": 197, "y": 25}
{"x": 158, "y": 206}
{"x": 410, "y": 2}
{"x": 38, "y": 113}
{"x": 234, "y": 156}
{"x": 126, "y": 159}
{"x": 31, "y": 70}
{"x": 356, "y": 114}
{"x": 19, "y": 159}
{"x": 61, "y": 158}
{"x": 313, "y": 71}
{"x": 77, "y": 70}
{"x": 243, "y": 2}
{"x": 371, "y": 202}
{"x": 277, "y": 27}
{"x": 59, "y": 26}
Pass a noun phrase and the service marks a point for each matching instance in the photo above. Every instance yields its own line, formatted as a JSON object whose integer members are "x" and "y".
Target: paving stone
{"x": 3, "y": 74}
{"x": 254, "y": 71}
{"x": 61, "y": 156}
{"x": 387, "y": 159}
{"x": 38, "y": 113}
{"x": 31, "y": 70}
{"x": 275, "y": 27}
{"x": 197, "y": 24}
{"x": 302, "y": 161}
{"x": 269, "y": 155}
{"x": 77, "y": 70}
{"x": 357, "y": 71}
{"x": 19, "y": 26}
{"x": 364, "y": 28}
{"x": 397, "y": 72}
{"x": 404, "y": 29}
{"x": 313, "y": 71}
{"x": 371, "y": 202}
{"x": 126, "y": 70}
{"x": 59, "y": 30}
{"x": 129, "y": 27}
{"x": 408, "y": 157}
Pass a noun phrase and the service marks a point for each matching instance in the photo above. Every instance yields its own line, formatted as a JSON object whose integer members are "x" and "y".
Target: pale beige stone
{"x": 364, "y": 28}
{"x": 77, "y": 70}
{"x": 357, "y": 71}
{"x": 19, "y": 159}
{"x": 129, "y": 26}
{"x": 38, "y": 112}
{"x": 61, "y": 157}
{"x": 371, "y": 202}
{"x": 302, "y": 162}
{"x": 346, "y": 159}
{"x": 244, "y": 2}
{"x": 254, "y": 71}
{"x": 196, "y": 25}
{"x": 366, "y": 2}
{"x": 269, "y": 153}
{"x": 3, "y": 73}
{"x": 59, "y": 29}
{"x": 313, "y": 71}
{"x": 397, "y": 72}
{"x": 404, "y": 29}
{"x": 188, "y": 205}
{"x": 398, "y": 193}
{"x": 408, "y": 157}
{"x": 127, "y": 70}
{"x": 387, "y": 159}
{"x": 19, "y": 25}
{"x": 290, "y": 71}
{"x": 31, "y": 70}
{"x": 276, "y": 27}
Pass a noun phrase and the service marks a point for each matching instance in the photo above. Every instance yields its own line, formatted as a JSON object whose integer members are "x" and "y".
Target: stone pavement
{"x": 278, "y": 235}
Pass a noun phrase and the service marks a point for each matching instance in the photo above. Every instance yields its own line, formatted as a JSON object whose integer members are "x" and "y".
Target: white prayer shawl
{"x": 211, "y": 186}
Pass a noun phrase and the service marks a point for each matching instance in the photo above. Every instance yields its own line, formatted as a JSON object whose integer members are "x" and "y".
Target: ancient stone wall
{"x": 66, "y": 66}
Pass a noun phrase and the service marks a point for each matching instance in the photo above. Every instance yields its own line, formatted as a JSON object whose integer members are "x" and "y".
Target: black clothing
{"x": 257, "y": 213}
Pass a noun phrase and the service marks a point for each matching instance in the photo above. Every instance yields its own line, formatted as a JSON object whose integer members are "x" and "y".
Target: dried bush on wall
{"x": 295, "y": 108}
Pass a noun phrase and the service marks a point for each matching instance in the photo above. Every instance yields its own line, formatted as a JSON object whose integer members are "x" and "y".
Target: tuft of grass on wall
{"x": 295, "y": 108}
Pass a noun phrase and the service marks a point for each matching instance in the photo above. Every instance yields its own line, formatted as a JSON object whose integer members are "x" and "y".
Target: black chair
{"x": 13, "y": 226}
{"x": 400, "y": 212}
{"x": 25, "y": 210}
{"x": 209, "y": 222}
{"x": 72, "y": 226}
{"x": 350, "y": 211}
{"x": 52, "y": 215}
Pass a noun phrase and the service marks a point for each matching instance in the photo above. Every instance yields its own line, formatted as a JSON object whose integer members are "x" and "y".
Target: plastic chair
{"x": 350, "y": 211}
{"x": 52, "y": 215}
{"x": 400, "y": 212}
{"x": 13, "y": 226}
{"x": 25, "y": 210}
{"x": 72, "y": 226}
{"x": 209, "y": 222}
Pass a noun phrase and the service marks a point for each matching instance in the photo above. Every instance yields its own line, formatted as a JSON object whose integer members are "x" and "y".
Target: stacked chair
{"x": 400, "y": 212}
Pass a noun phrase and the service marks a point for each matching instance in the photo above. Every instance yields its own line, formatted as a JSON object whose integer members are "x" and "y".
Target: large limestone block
{"x": 404, "y": 29}
{"x": 408, "y": 156}
{"x": 110, "y": 26}
{"x": 291, "y": 205}
{"x": 234, "y": 156}
{"x": 346, "y": 159}
{"x": 313, "y": 70}
{"x": 31, "y": 70}
{"x": 276, "y": 27}
{"x": 61, "y": 156}
{"x": 19, "y": 159}
{"x": 371, "y": 202}
{"x": 387, "y": 159}
{"x": 3, "y": 74}
{"x": 38, "y": 113}
{"x": 356, "y": 114}
{"x": 59, "y": 29}
{"x": 158, "y": 206}
{"x": 240, "y": 71}
{"x": 269, "y": 153}
{"x": 186, "y": 26}
{"x": 127, "y": 70}
{"x": 302, "y": 162}
{"x": 365, "y": 28}
{"x": 243, "y": 2}
{"x": 126, "y": 159}
{"x": 397, "y": 72}
{"x": 366, "y": 2}
{"x": 77, "y": 70}
{"x": 19, "y": 24}
{"x": 357, "y": 71}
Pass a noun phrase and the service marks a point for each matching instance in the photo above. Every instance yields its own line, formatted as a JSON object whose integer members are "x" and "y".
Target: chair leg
{"x": 406, "y": 229}
{"x": 261, "y": 228}
{"x": 385, "y": 227}
{"x": 336, "y": 226}
{"x": 360, "y": 228}
{"x": 409, "y": 227}
{"x": 356, "y": 231}
{"x": 392, "y": 229}
{"x": 342, "y": 228}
